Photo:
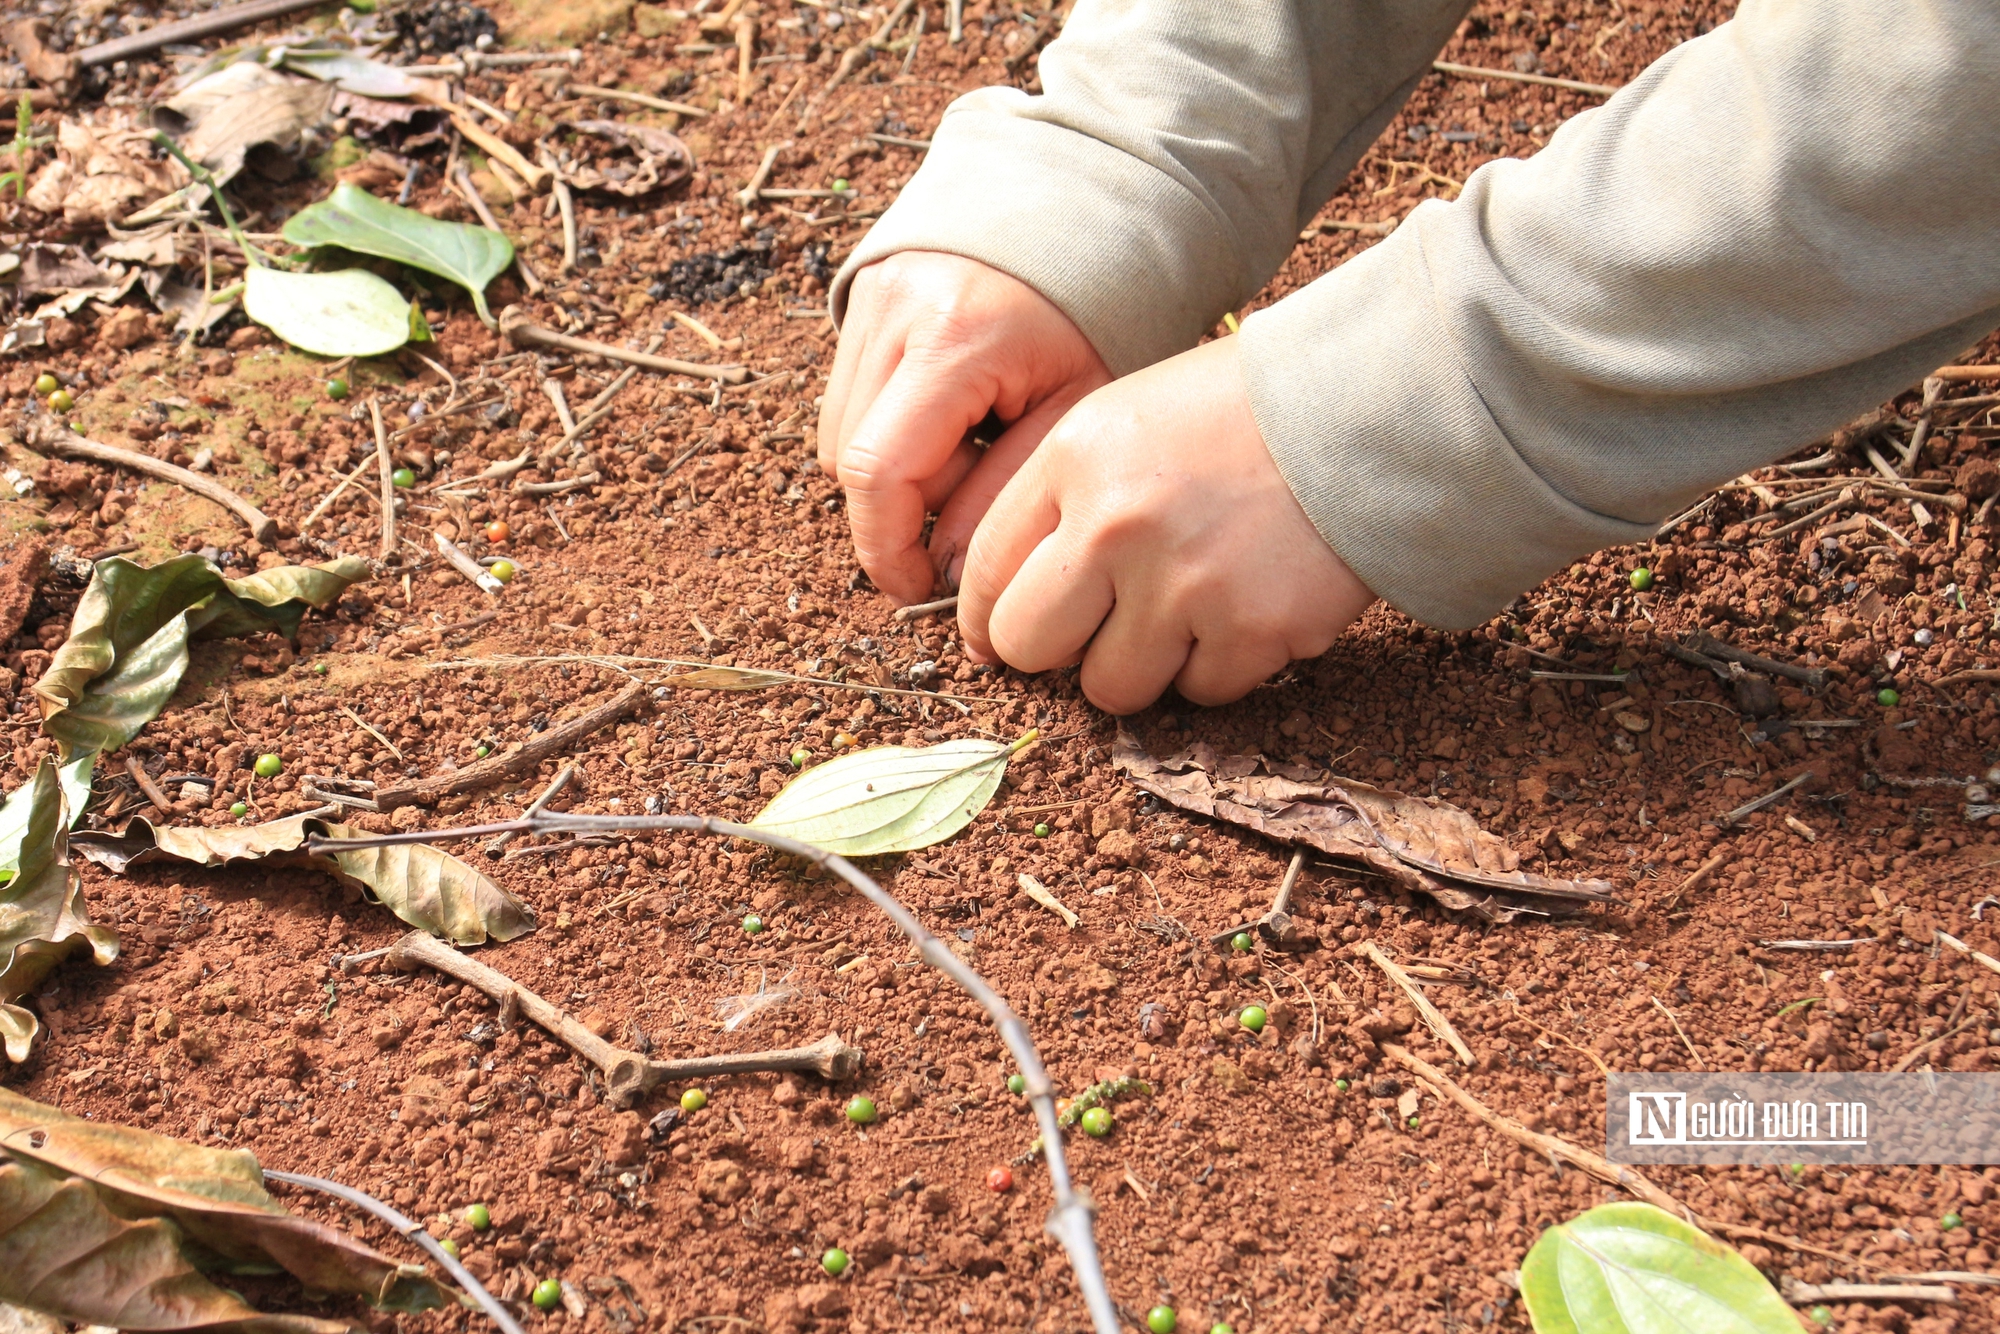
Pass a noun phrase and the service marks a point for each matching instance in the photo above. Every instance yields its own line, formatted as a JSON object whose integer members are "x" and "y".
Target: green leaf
{"x": 353, "y": 219}
{"x": 42, "y": 915}
{"x": 346, "y": 313}
{"x": 1633, "y": 1269}
{"x": 18, "y": 810}
{"x": 890, "y": 798}
{"x": 422, "y": 885}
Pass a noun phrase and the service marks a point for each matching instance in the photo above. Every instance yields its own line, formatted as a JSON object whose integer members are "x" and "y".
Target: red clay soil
{"x": 1249, "y": 1187}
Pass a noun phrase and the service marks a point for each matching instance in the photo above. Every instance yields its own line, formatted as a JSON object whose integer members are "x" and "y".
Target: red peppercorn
{"x": 497, "y": 531}
{"x": 1000, "y": 1181}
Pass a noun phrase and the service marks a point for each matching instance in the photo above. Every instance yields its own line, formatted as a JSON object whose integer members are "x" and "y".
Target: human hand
{"x": 930, "y": 345}
{"x": 1152, "y": 535}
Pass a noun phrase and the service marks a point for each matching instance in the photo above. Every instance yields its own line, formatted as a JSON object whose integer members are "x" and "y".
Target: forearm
{"x": 1164, "y": 174}
{"x": 1774, "y": 227}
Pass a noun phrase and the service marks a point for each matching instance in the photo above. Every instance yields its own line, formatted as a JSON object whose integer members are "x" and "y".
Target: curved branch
{"x": 1069, "y": 1221}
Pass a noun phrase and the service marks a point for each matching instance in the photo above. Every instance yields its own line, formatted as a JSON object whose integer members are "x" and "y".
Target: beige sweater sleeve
{"x": 1774, "y": 227}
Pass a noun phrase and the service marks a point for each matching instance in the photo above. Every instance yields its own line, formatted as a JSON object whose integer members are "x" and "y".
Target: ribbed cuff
{"x": 1129, "y": 254}
{"x": 1366, "y": 408}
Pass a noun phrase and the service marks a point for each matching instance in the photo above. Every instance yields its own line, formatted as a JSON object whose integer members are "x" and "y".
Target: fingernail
{"x": 954, "y": 572}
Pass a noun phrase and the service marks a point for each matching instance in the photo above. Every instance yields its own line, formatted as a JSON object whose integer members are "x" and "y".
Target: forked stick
{"x": 627, "y": 1074}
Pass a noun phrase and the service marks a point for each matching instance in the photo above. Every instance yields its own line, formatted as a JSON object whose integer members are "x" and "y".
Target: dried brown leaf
{"x": 657, "y": 159}
{"x": 1425, "y": 845}
{"x": 426, "y": 887}
{"x": 95, "y": 1221}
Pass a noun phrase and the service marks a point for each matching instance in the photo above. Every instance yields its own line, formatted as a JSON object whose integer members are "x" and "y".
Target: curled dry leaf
{"x": 726, "y": 678}
{"x": 427, "y": 888}
{"x": 890, "y": 798}
{"x": 1631, "y": 1268}
{"x": 127, "y": 646}
{"x": 102, "y": 171}
{"x": 652, "y": 159}
{"x": 101, "y": 1224}
{"x": 42, "y": 915}
{"x": 245, "y": 115}
{"x": 1422, "y": 844}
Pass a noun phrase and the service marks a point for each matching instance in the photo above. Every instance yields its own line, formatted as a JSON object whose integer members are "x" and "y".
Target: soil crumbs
{"x": 1251, "y": 1187}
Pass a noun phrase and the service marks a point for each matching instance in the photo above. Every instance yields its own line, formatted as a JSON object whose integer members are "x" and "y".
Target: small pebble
{"x": 1923, "y": 638}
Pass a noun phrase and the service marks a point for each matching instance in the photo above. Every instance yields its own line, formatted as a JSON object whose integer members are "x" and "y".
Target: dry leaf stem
{"x": 1562, "y": 1151}
{"x": 1070, "y": 1219}
{"x": 627, "y": 1074}
{"x": 385, "y": 473}
{"x": 1433, "y": 1017}
{"x": 496, "y": 768}
{"x": 492, "y": 224}
{"x": 412, "y": 1231}
{"x": 335, "y": 494}
{"x": 523, "y": 332}
{"x": 154, "y": 792}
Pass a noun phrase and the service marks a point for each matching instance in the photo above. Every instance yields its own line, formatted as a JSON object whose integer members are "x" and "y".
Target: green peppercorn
{"x": 478, "y": 1217}
{"x": 548, "y": 1295}
{"x": 834, "y": 1261}
{"x": 503, "y": 570}
{"x": 61, "y": 401}
{"x": 1161, "y": 1320}
{"x": 1820, "y": 1315}
{"x": 1950, "y": 1221}
{"x": 861, "y": 1110}
{"x": 1641, "y": 579}
{"x": 1096, "y": 1122}
{"x": 1413, "y": 1123}
{"x": 319, "y": 669}
{"x": 403, "y": 477}
{"x": 1041, "y": 830}
{"x": 752, "y": 924}
{"x": 46, "y": 384}
{"x": 840, "y": 186}
{"x": 1341, "y": 1085}
{"x": 1222, "y": 1327}
{"x": 1241, "y": 942}
{"x": 449, "y": 1247}
{"x": 1017, "y": 1084}
{"x": 800, "y": 756}
{"x": 1252, "y": 1018}
{"x": 693, "y": 1100}
{"x": 238, "y": 809}
{"x": 1888, "y": 697}
{"x": 336, "y": 388}
{"x": 269, "y": 766}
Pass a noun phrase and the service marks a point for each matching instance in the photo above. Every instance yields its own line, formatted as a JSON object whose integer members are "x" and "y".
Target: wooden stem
{"x": 497, "y": 768}
{"x": 60, "y": 440}
{"x": 386, "y": 474}
{"x": 523, "y": 332}
{"x": 627, "y": 1074}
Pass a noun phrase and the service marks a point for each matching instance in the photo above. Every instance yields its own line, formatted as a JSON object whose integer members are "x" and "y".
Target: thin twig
{"x": 367, "y": 727}
{"x": 1432, "y": 1016}
{"x": 154, "y": 792}
{"x": 386, "y": 476}
{"x": 497, "y": 768}
{"x": 465, "y": 565}
{"x": 567, "y": 204}
{"x": 1070, "y": 1219}
{"x": 1770, "y": 798}
{"x": 523, "y": 332}
{"x": 1693, "y": 1055}
{"x": 1512, "y": 76}
{"x": 620, "y": 661}
{"x": 1811, "y": 1294}
{"x": 549, "y": 794}
{"x": 1561, "y": 1150}
{"x": 638, "y": 100}
{"x": 414, "y": 1232}
{"x": 926, "y": 608}
{"x": 492, "y": 224}
{"x": 306, "y": 524}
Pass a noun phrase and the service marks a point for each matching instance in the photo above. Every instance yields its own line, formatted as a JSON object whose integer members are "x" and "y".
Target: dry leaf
{"x": 657, "y": 158}
{"x": 1424, "y": 845}
{"x": 727, "y": 678}
{"x": 96, "y": 1221}
{"x": 42, "y": 915}
{"x": 424, "y": 886}
{"x": 246, "y": 114}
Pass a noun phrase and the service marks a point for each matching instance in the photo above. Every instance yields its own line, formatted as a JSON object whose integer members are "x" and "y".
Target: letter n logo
{"x": 1657, "y": 1118}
